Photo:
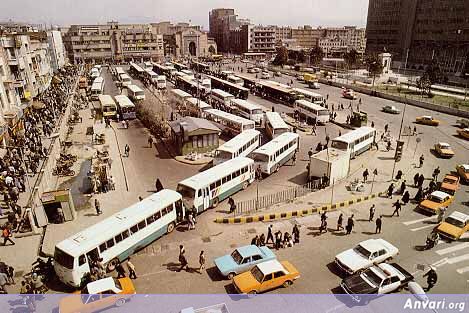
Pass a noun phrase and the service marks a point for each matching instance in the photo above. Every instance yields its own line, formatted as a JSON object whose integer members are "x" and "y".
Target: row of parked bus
{"x": 122, "y": 105}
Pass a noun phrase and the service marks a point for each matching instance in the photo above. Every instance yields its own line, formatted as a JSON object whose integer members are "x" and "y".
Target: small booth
{"x": 100, "y": 174}
{"x": 359, "y": 119}
{"x": 58, "y": 206}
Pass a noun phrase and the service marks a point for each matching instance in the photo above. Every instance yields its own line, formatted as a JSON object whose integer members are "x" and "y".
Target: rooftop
{"x": 193, "y": 123}
{"x": 271, "y": 266}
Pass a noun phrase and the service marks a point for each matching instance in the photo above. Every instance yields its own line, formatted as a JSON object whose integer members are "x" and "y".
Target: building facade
{"x": 335, "y": 41}
{"x": 219, "y": 26}
{"x": 419, "y": 32}
{"x": 56, "y": 49}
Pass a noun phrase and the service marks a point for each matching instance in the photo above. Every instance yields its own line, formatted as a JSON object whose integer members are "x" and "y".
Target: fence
{"x": 261, "y": 202}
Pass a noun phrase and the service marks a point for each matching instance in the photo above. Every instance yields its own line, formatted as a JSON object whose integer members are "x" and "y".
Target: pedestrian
{"x": 419, "y": 195}
{"x": 431, "y": 186}
{"x": 379, "y": 223}
{"x": 386, "y": 127}
{"x": 350, "y": 224}
{"x": 97, "y": 207}
{"x": 421, "y": 180}
{"x": 140, "y": 198}
{"x": 415, "y": 131}
{"x": 158, "y": 185}
{"x": 150, "y": 141}
{"x": 340, "y": 221}
{"x": 323, "y": 227}
{"x": 406, "y": 197}
{"x": 127, "y": 150}
{"x": 255, "y": 241}
{"x": 120, "y": 271}
{"x": 399, "y": 175}
{"x": 270, "y": 235}
{"x": 313, "y": 130}
{"x": 183, "y": 262}
{"x": 296, "y": 234}
{"x": 365, "y": 175}
{"x": 397, "y": 205}
{"x": 294, "y": 159}
{"x": 323, "y": 218}
{"x": 6, "y": 234}
{"x": 278, "y": 240}
{"x": 262, "y": 240}
{"x": 201, "y": 261}
{"x": 435, "y": 174}
{"x": 416, "y": 179}
{"x": 421, "y": 159}
{"x": 372, "y": 124}
{"x": 131, "y": 268}
{"x": 432, "y": 278}
{"x": 372, "y": 213}
{"x": 403, "y": 187}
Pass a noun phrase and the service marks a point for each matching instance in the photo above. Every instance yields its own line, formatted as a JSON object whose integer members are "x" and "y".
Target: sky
{"x": 266, "y": 12}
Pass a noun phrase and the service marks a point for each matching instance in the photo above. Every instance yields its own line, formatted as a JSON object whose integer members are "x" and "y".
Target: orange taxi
{"x": 450, "y": 184}
{"x": 99, "y": 295}
{"x": 444, "y": 150}
{"x": 427, "y": 120}
{"x": 464, "y": 133}
{"x": 435, "y": 202}
{"x": 463, "y": 172}
{"x": 454, "y": 226}
{"x": 266, "y": 276}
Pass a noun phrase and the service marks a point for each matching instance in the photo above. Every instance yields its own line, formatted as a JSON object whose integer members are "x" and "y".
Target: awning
{"x": 38, "y": 105}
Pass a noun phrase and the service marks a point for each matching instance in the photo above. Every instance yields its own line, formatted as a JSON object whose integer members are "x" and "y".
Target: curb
{"x": 297, "y": 213}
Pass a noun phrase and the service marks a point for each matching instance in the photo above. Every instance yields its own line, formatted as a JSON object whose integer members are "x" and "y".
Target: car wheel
{"x": 252, "y": 292}
{"x": 287, "y": 283}
{"x": 120, "y": 302}
{"x": 231, "y": 275}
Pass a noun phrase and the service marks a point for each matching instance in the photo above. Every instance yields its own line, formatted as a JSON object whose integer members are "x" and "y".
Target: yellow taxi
{"x": 436, "y": 201}
{"x": 99, "y": 295}
{"x": 463, "y": 172}
{"x": 444, "y": 150}
{"x": 463, "y": 133}
{"x": 450, "y": 184}
{"x": 427, "y": 120}
{"x": 266, "y": 276}
{"x": 454, "y": 226}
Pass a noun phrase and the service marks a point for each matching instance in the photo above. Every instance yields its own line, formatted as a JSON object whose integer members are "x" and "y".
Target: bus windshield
{"x": 63, "y": 258}
{"x": 257, "y": 111}
{"x": 260, "y": 157}
{"x": 339, "y": 145}
{"x": 186, "y": 192}
{"x": 223, "y": 155}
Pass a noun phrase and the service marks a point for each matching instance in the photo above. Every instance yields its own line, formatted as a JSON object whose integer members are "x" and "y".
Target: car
{"x": 464, "y": 133}
{"x": 463, "y": 122}
{"x": 348, "y": 94}
{"x": 242, "y": 259}
{"x": 379, "y": 279}
{"x": 313, "y": 85}
{"x": 463, "y": 172}
{"x": 391, "y": 109}
{"x": 265, "y": 75}
{"x": 278, "y": 74}
{"x": 98, "y": 295}
{"x": 444, "y": 150}
{"x": 266, "y": 276}
{"x": 427, "y": 120}
{"x": 435, "y": 202}
{"x": 299, "y": 77}
{"x": 454, "y": 226}
{"x": 450, "y": 184}
{"x": 364, "y": 255}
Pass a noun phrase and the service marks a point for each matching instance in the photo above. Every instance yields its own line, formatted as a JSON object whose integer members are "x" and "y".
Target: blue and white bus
{"x": 117, "y": 237}
{"x": 356, "y": 141}
{"x": 241, "y": 145}
{"x": 275, "y": 125}
{"x": 125, "y": 107}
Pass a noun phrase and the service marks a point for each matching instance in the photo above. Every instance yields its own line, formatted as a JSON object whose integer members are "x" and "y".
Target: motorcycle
{"x": 432, "y": 240}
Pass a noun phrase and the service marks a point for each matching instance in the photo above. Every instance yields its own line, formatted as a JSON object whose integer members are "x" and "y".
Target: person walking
{"x": 97, "y": 207}
{"x": 150, "y": 141}
{"x": 350, "y": 224}
{"x": 201, "y": 261}
{"x": 435, "y": 174}
{"x": 270, "y": 235}
{"x": 403, "y": 187}
{"x": 127, "y": 150}
{"x": 416, "y": 179}
{"x": 365, "y": 175}
{"x": 372, "y": 213}
{"x": 397, "y": 205}
{"x": 340, "y": 221}
{"x": 421, "y": 159}
{"x": 432, "y": 278}
{"x": 6, "y": 234}
{"x": 278, "y": 240}
{"x": 131, "y": 269}
{"x": 379, "y": 223}
{"x": 120, "y": 271}
{"x": 390, "y": 190}
{"x": 323, "y": 218}
{"x": 421, "y": 180}
{"x": 406, "y": 197}
{"x": 296, "y": 234}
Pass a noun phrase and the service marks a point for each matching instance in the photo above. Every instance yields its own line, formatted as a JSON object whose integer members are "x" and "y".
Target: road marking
{"x": 453, "y": 249}
{"x": 419, "y": 220}
{"x": 423, "y": 227}
{"x": 463, "y": 270}
{"x": 458, "y": 259}
{"x": 440, "y": 262}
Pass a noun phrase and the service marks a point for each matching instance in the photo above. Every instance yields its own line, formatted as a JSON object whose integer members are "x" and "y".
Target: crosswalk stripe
{"x": 453, "y": 248}
{"x": 458, "y": 259}
{"x": 423, "y": 227}
{"x": 417, "y": 221}
{"x": 463, "y": 270}
{"x": 440, "y": 262}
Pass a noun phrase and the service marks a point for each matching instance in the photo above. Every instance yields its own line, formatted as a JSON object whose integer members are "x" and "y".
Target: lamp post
{"x": 400, "y": 131}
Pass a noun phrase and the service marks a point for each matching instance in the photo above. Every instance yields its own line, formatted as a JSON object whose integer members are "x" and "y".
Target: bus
{"x": 152, "y": 76}
{"x": 233, "y": 124}
{"x": 108, "y": 106}
{"x": 356, "y": 141}
{"x": 206, "y": 189}
{"x": 225, "y": 74}
{"x": 199, "y": 105}
{"x": 118, "y": 72}
{"x": 97, "y": 88}
{"x": 119, "y": 236}
{"x": 310, "y": 96}
{"x": 236, "y": 90}
{"x": 275, "y": 125}
{"x": 148, "y": 65}
{"x": 312, "y": 112}
{"x": 271, "y": 156}
{"x": 135, "y": 93}
{"x": 179, "y": 96}
{"x": 248, "y": 82}
{"x": 235, "y": 80}
{"x": 161, "y": 82}
{"x": 190, "y": 86}
{"x": 217, "y": 57}
{"x": 188, "y": 73}
{"x": 95, "y": 73}
{"x": 276, "y": 92}
{"x": 199, "y": 67}
{"x": 125, "y": 107}
{"x": 248, "y": 110}
{"x": 220, "y": 98}
{"x": 136, "y": 70}
{"x": 241, "y": 145}
{"x": 125, "y": 80}
{"x": 179, "y": 66}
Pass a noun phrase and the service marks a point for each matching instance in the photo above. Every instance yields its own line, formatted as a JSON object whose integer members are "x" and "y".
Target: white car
{"x": 265, "y": 75}
{"x": 365, "y": 254}
{"x": 391, "y": 109}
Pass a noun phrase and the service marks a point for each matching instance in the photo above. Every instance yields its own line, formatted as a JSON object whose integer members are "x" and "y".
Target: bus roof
{"x": 311, "y": 105}
{"x": 124, "y": 101}
{"x": 222, "y": 93}
{"x": 96, "y": 234}
{"x": 99, "y": 79}
{"x": 125, "y": 76}
{"x": 215, "y": 173}
{"x": 136, "y": 67}
{"x": 151, "y": 72}
{"x": 233, "y": 77}
{"x": 106, "y": 100}
{"x": 354, "y": 134}
{"x": 276, "y": 120}
{"x": 272, "y": 146}
{"x": 96, "y": 86}
{"x": 180, "y": 93}
{"x": 200, "y": 103}
{"x": 238, "y": 141}
{"x": 134, "y": 88}
{"x": 228, "y": 83}
{"x": 246, "y": 104}
{"x": 275, "y": 86}
{"x": 307, "y": 92}
{"x": 228, "y": 116}
{"x": 246, "y": 77}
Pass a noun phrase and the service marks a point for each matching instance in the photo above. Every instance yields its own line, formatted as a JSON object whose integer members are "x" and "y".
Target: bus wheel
{"x": 112, "y": 265}
{"x": 215, "y": 203}
{"x": 245, "y": 185}
{"x": 170, "y": 228}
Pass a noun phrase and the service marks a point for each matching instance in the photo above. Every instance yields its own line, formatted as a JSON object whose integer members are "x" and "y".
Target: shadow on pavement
{"x": 214, "y": 274}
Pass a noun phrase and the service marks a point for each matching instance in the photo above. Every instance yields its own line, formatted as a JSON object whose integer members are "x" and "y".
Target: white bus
{"x": 161, "y": 82}
{"x": 179, "y": 96}
{"x": 310, "y": 96}
{"x": 233, "y": 124}
{"x": 271, "y": 156}
{"x": 97, "y": 88}
{"x": 188, "y": 73}
{"x": 312, "y": 112}
{"x": 241, "y": 145}
{"x": 206, "y": 189}
{"x": 275, "y": 125}
{"x": 235, "y": 80}
{"x": 199, "y": 105}
{"x": 221, "y": 98}
{"x": 108, "y": 106}
{"x": 125, "y": 80}
{"x": 125, "y": 107}
{"x": 148, "y": 65}
{"x": 248, "y": 110}
{"x": 119, "y": 72}
{"x": 117, "y": 237}
{"x": 152, "y": 76}
{"x": 356, "y": 141}
{"x": 135, "y": 93}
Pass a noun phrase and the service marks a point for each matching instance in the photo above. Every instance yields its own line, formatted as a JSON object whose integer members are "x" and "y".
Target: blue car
{"x": 243, "y": 259}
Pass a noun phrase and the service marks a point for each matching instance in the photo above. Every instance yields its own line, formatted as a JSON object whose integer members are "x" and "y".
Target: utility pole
{"x": 400, "y": 131}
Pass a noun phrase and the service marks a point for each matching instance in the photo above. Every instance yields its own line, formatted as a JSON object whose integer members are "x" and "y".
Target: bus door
{"x": 179, "y": 211}
{"x": 206, "y": 195}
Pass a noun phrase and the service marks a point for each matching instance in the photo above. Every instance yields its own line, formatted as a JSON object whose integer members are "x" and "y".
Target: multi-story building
{"x": 56, "y": 49}
{"x": 219, "y": 26}
{"x": 113, "y": 42}
{"x": 306, "y": 36}
{"x": 253, "y": 38}
{"x": 339, "y": 40}
{"x": 419, "y": 32}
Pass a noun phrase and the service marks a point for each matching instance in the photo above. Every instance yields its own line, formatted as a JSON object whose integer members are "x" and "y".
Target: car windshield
{"x": 237, "y": 257}
{"x": 444, "y": 146}
{"x": 436, "y": 199}
{"x": 449, "y": 180}
{"x": 372, "y": 277}
{"x": 361, "y": 250}
{"x": 454, "y": 222}
{"x": 257, "y": 274}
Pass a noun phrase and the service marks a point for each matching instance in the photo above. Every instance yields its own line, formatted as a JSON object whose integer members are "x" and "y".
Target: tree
{"x": 301, "y": 56}
{"x": 431, "y": 76}
{"x": 352, "y": 58}
{"x": 282, "y": 56}
{"x": 316, "y": 55}
{"x": 374, "y": 66}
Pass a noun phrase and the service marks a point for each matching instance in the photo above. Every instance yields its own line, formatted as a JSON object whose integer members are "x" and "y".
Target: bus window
{"x": 134, "y": 229}
{"x": 81, "y": 260}
{"x": 125, "y": 234}
{"x": 110, "y": 243}
{"x": 157, "y": 216}
{"x": 142, "y": 225}
{"x": 150, "y": 220}
{"x": 93, "y": 254}
{"x": 118, "y": 238}
{"x": 102, "y": 247}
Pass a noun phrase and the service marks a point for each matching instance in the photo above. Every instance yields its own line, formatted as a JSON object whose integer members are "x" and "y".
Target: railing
{"x": 264, "y": 201}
